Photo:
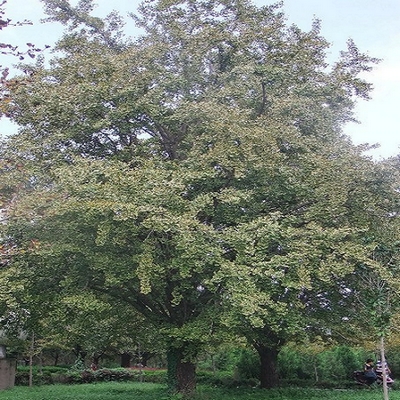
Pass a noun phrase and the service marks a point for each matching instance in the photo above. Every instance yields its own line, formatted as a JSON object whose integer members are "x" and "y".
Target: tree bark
{"x": 32, "y": 350}
{"x": 268, "y": 373}
{"x": 95, "y": 362}
{"x": 384, "y": 369}
{"x": 125, "y": 360}
{"x": 181, "y": 373}
{"x": 145, "y": 357}
{"x": 56, "y": 357}
{"x": 80, "y": 353}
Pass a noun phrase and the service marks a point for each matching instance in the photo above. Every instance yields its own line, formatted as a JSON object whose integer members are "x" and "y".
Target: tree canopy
{"x": 198, "y": 174}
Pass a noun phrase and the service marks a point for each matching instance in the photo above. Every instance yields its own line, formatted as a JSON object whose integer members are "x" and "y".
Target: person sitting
{"x": 379, "y": 372}
{"x": 369, "y": 372}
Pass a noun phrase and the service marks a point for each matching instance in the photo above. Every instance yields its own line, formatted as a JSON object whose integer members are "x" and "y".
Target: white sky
{"x": 373, "y": 24}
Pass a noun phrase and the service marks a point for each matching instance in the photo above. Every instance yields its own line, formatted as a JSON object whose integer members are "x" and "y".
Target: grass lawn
{"x": 151, "y": 391}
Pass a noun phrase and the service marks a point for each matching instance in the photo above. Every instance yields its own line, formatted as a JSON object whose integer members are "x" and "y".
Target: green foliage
{"x": 38, "y": 379}
{"x": 197, "y": 176}
{"x": 111, "y": 390}
{"x": 297, "y": 365}
{"x": 46, "y": 368}
{"x": 114, "y": 375}
{"x": 248, "y": 366}
{"x": 393, "y": 359}
{"x": 75, "y": 376}
{"x": 334, "y": 365}
{"x": 156, "y": 376}
{"x": 79, "y": 365}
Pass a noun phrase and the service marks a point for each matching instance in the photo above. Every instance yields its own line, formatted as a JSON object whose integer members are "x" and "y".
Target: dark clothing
{"x": 369, "y": 373}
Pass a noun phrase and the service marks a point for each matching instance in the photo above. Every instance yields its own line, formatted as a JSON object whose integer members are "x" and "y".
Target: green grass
{"x": 151, "y": 391}
{"x": 98, "y": 391}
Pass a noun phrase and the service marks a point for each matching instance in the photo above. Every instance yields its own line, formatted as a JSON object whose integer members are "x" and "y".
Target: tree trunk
{"x": 384, "y": 369}
{"x": 145, "y": 357}
{"x": 94, "y": 366}
{"x": 268, "y": 359}
{"x": 315, "y": 370}
{"x": 56, "y": 357}
{"x": 32, "y": 350}
{"x": 181, "y": 374}
{"x": 80, "y": 353}
{"x": 125, "y": 360}
{"x": 142, "y": 357}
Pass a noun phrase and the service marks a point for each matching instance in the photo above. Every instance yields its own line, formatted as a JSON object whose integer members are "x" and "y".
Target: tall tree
{"x": 375, "y": 293}
{"x": 167, "y": 171}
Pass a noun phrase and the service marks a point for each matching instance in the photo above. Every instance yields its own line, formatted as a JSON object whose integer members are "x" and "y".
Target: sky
{"x": 374, "y": 25}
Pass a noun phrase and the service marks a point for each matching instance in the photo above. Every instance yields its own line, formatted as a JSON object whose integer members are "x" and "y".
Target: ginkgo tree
{"x": 375, "y": 292}
{"x": 198, "y": 174}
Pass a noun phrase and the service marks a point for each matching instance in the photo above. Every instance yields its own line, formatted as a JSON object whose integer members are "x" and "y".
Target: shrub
{"x": 224, "y": 379}
{"x": 22, "y": 378}
{"x": 248, "y": 366}
{"x": 117, "y": 374}
{"x": 155, "y": 376}
{"x": 73, "y": 376}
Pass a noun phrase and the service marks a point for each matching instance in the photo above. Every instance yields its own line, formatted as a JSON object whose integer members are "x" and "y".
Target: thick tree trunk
{"x": 186, "y": 374}
{"x": 181, "y": 374}
{"x": 268, "y": 359}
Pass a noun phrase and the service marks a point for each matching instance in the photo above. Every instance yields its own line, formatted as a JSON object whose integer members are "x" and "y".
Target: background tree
{"x": 377, "y": 296}
{"x": 290, "y": 263}
{"x": 95, "y": 329}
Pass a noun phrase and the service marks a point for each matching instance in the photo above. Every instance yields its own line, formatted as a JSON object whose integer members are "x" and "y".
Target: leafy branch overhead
{"x": 31, "y": 49}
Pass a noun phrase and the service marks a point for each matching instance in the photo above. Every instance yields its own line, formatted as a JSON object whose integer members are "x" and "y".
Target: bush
{"x": 22, "y": 378}
{"x": 117, "y": 374}
{"x": 224, "y": 379}
{"x": 155, "y": 376}
{"x": 248, "y": 366}
{"x": 331, "y": 365}
{"x": 75, "y": 377}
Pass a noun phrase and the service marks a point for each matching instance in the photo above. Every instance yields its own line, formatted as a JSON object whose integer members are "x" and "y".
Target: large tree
{"x": 374, "y": 289}
{"x": 199, "y": 174}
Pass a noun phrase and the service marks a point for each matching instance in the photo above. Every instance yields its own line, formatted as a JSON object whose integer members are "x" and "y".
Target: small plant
{"x": 78, "y": 366}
